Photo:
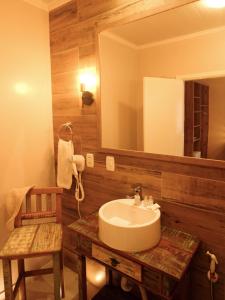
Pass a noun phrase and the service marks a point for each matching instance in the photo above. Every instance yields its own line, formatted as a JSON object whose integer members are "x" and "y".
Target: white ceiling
{"x": 47, "y": 4}
{"x": 184, "y": 20}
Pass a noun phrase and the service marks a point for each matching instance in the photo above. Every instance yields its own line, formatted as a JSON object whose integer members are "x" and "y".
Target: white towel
{"x": 64, "y": 167}
{"x": 14, "y": 201}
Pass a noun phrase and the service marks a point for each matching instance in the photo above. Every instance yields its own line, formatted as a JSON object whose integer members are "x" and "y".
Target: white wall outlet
{"x": 110, "y": 163}
{"x": 90, "y": 160}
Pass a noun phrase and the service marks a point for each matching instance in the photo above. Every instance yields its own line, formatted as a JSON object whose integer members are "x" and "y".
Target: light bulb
{"x": 214, "y": 3}
{"x": 88, "y": 80}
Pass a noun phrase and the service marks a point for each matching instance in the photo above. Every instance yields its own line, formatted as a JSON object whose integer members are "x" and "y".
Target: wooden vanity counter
{"x": 161, "y": 269}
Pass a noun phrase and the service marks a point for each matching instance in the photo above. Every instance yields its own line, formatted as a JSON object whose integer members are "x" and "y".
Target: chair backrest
{"x": 47, "y": 204}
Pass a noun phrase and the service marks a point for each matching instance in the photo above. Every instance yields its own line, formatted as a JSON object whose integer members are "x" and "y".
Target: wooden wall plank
{"x": 169, "y": 165}
{"x": 194, "y": 191}
{"x": 102, "y": 186}
{"x": 84, "y": 129}
{"x": 66, "y": 105}
{"x": 64, "y": 83}
{"x": 210, "y": 229}
{"x": 63, "y": 16}
{"x": 198, "y": 222}
{"x": 65, "y": 39}
{"x": 88, "y": 9}
{"x": 202, "y": 286}
{"x": 112, "y": 11}
{"x": 87, "y": 50}
{"x": 66, "y": 61}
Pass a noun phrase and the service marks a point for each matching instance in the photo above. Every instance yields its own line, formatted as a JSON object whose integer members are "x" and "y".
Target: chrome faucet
{"x": 137, "y": 191}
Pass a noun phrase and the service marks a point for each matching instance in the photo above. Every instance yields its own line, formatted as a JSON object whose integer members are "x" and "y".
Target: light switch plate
{"x": 90, "y": 160}
{"x": 110, "y": 163}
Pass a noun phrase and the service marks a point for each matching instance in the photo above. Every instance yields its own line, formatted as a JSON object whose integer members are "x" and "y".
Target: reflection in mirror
{"x": 163, "y": 83}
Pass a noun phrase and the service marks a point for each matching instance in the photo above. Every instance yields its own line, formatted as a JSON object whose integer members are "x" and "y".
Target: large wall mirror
{"x": 163, "y": 83}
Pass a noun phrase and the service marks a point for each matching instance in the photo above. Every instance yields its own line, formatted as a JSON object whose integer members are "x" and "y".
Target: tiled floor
{"x": 41, "y": 287}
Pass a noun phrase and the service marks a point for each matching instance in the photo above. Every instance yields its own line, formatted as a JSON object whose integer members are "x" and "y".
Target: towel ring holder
{"x": 65, "y": 126}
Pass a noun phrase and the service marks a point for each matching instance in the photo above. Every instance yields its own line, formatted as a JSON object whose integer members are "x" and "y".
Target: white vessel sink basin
{"x": 127, "y": 227}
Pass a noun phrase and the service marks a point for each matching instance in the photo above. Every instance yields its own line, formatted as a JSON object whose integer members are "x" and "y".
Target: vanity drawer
{"x": 119, "y": 263}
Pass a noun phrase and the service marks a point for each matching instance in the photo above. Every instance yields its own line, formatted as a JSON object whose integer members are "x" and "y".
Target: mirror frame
{"x": 186, "y": 160}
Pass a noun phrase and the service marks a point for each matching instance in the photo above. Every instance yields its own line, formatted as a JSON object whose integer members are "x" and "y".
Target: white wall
{"x": 199, "y": 54}
{"x": 119, "y": 94}
{"x": 163, "y": 116}
{"x": 26, "y": 155}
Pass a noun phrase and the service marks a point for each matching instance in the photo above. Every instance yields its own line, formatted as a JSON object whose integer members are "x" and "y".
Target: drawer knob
{"x": 114, "y": 262}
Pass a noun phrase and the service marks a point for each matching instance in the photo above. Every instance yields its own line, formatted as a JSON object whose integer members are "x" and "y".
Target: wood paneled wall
{"x": 191, "y": 196}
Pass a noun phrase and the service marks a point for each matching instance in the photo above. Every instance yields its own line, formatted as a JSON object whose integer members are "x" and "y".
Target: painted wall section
{"x": 163, "y": 116}
{"x": 119, "y": 68}
{"x": 189, "y": 56}
{"x": 27, "y": 155}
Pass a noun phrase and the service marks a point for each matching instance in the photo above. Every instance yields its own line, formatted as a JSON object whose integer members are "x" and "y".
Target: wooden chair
{"x": 33, "y": 240}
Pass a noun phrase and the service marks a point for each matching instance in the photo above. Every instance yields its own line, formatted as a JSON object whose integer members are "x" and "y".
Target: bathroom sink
{"x": 128, "y": 227}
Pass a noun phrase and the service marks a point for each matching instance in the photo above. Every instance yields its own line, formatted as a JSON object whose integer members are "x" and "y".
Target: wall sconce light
{"x": 87, "y": 97}
{"x": 87, "y": 86}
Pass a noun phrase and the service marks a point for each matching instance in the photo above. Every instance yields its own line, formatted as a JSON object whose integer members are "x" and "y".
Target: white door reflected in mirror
{"x": 163, "y": 116}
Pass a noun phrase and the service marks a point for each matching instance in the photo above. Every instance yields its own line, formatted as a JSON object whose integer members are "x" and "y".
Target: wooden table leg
{"x": 109, "y": 276}
{"x": 62, "y": 275}
{"x": 57, "y": 275}
{"x": 21, "y": 271}
{"x": 82, "y": 281}
{"x": 7, "y": 274}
